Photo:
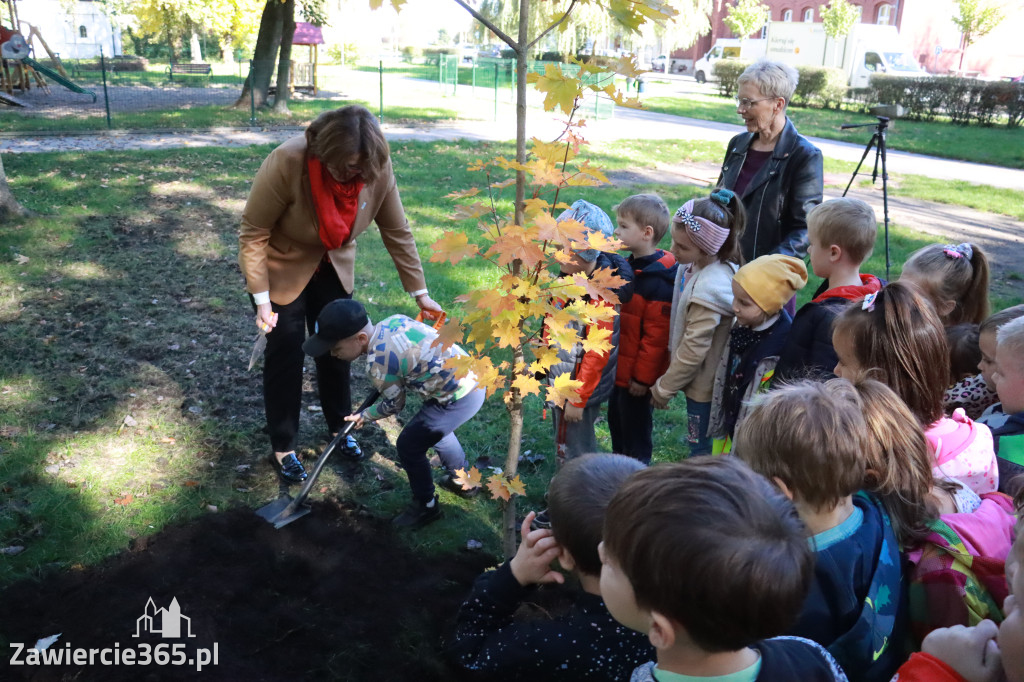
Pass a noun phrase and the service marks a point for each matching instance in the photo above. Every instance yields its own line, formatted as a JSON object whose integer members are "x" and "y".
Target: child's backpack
{"x": 958, "y": 574}
{"x": 964, "y": 450}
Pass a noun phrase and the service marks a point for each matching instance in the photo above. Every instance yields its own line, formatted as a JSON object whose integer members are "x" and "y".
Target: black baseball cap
{"x": 340, "y": 319}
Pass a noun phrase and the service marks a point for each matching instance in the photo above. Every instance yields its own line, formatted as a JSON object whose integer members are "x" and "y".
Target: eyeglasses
{"x": 744, "y": 103}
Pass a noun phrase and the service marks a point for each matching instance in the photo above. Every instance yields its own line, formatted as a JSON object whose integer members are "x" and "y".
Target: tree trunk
{"x": 228, "y": 49}
{"x": 195, "y": 48}
{"x": 284, "y": 67}
{"x": 9, "y": 206}
{"x": 264, "y": 56}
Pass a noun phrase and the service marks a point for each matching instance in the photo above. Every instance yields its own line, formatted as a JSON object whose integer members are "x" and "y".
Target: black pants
{"x": 630, "y": 421}
{"x": 433, "y": 427}
{"x": 282, "y": 368}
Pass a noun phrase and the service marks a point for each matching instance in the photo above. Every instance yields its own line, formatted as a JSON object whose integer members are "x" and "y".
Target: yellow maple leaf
{"x": 563, "y": 388}
{"x": 506, "y": 334}
{"x": 516, "y": 486}
{"x": 545, "y": 173}
{"x": 598, "y": 340}
{"x": 628, "y": 66}
{"x": 557, "y": 152}
{"x": 546, "y": 356}
{"x": 560, "y": 90}
{"x": 468, "y": 479}
{"x": 452, "y": 247}
{"x": 597, "y": 240}
{"x": 461, "y": 194}
{"x": 487, "y": 375}
{"x": 449, "y": 334}
{"x": 535, "y": 206}
{"x": 503, "y": 183}
{"x": 467, "y": 211}
{"x": 602, "y": 283}
{"x": 526, "y": 384}
{"x": 395, "y": 4}
{"x": 498, "y": 489}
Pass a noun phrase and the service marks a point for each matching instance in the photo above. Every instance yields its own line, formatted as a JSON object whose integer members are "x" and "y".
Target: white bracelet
{"x": 418, "y": 293}
{"x": 261, "y": 298}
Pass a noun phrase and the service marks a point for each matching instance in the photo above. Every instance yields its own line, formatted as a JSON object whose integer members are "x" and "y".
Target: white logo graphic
{"x": 164, "y": 622}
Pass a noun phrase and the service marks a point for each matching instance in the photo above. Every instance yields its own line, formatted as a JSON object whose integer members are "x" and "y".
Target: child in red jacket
{"x": 643, "y": 220}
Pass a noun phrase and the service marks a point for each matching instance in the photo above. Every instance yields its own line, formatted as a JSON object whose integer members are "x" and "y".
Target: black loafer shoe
{"x": 417, "y": 514}
{"x": 290, "y": 468}
{"x": 350, "y": 450}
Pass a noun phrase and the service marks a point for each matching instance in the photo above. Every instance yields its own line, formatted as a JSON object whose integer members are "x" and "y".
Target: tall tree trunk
{"x": 9, "y": 206}
{"x": 228, "y": 49}
{"x": 194, "y": 47}
{"x": 284, "y": 68}
{"x": 264, "y": 56}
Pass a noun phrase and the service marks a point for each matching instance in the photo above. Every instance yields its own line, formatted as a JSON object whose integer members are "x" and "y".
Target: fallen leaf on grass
{"x": 12, "y": 550}
{"x": 124, "y": 501}
{"x": 243, "y": 467}
{"x": 130, "y": 420}
{"x": 191, "y": 484}
{"x": 10, "y": 431}
{"x": 21, "y": 260}
{"x": 211, "y": 508}
{"x": 167, "y": 439}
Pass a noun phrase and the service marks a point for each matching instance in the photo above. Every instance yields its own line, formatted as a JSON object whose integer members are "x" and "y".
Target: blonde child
{"x": 705, "y": 242}
{"x": 760, "y": 290}
{"x": 954, "y": 277}
{"x": 993, "y": 417}
{"x": 809, "y": 440}
{"x": 896, "y": 337}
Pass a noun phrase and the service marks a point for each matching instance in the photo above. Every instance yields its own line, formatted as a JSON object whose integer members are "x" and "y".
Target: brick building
{"x": 925, "y": 25}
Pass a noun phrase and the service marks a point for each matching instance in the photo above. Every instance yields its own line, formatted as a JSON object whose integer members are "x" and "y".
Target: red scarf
{"x": 336, "y": 203}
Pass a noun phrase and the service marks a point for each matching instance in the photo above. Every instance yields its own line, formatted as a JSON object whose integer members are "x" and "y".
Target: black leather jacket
{"x": 779, "y": 196}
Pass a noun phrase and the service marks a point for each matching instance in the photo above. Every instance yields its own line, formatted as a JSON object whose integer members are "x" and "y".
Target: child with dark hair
{"x": 583, "y": 644}
{"x": 711, "y": 562}
{"x": 967, "y": 387}
{"x": 954, "y": 277}
{"x": 809, "y": 440}
{"x": 896, "y": 337}
{"x": 643, "y": 220}
{"x": 705, "y": 242}
{"x": 760, "y": 289}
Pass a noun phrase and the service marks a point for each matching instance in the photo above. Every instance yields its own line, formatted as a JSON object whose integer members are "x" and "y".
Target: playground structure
{"x": 302, "y": 76}
{"x": 18, "y": 70}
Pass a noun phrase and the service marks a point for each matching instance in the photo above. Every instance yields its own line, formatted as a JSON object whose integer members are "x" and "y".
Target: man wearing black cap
{"x": 400, "y": 358}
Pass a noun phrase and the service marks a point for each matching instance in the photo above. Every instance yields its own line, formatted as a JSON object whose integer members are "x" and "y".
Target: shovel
{"x": 284, "y": 510}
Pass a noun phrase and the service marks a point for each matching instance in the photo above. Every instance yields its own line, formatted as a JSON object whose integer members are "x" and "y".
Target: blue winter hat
{"x": 594, "y": 219}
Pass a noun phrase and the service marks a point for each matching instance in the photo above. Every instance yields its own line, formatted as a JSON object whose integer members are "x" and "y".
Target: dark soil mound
{"x": 334, "y": 595}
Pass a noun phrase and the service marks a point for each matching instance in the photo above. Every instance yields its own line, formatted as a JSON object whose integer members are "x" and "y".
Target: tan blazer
{"x": 279, "y": 243}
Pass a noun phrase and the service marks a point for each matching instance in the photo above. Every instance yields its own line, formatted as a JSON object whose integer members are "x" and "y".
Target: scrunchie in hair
{"x": 723, "y": 196}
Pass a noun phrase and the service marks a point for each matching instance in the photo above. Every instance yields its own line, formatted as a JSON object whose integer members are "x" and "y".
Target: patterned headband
{"x": 708, "y": 236}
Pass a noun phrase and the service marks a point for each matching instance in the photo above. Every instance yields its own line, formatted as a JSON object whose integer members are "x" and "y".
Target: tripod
{"x": 878, "y": 142}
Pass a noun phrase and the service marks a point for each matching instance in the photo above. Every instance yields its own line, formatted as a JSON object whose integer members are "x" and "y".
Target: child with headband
{"x": 705, "y": 242}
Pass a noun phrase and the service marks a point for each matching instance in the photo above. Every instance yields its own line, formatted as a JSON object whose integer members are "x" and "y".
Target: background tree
{"x": 9, "y": 206}
{"x": 975, "y": 19}
{"x": 838, "y": 18}
{"x": 745, "y": 17}
{"x": 509, "y": 320}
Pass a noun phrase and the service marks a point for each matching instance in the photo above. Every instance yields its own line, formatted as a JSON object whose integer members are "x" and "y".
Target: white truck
{"x": 868, "y": 49}
{"x": 749, "y": 50}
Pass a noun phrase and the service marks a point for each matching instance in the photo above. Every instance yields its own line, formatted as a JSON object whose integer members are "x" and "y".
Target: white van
{"x": 750, "y": 50}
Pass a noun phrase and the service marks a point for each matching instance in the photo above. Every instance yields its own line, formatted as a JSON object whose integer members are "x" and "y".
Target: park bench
{"x": 189, "y": 70}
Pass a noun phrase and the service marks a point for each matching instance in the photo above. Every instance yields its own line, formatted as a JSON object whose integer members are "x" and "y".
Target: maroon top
{"x": 753, "y": 163}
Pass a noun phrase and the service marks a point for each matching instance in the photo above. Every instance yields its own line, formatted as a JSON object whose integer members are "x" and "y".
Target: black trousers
{"x": 630, "y": 421}
{"x": 282, "y": 367}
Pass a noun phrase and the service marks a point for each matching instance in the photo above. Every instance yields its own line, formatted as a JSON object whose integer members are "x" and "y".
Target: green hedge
{"x": 433, "y": 54}
{"x": 963, "y": 100}
{"x": 728, "y": 71}
{"x": 823, "y": 86}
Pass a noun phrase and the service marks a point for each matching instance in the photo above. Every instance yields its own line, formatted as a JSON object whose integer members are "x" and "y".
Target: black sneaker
{"x": 449, "y": 483}
{"x": 350, "y": 450}
{"x": 417, "y": 514}
{"x": 290, "y": 468}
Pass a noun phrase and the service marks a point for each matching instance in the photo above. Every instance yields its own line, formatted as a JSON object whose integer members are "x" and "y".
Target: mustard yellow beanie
{"x": 772, "y": 280}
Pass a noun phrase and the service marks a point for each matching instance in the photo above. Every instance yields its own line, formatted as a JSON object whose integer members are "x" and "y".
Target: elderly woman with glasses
{"x": 775, "y": 171}
{"x": 311, "y": 199}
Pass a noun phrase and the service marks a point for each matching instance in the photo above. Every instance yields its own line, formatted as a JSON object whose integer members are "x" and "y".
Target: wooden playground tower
{"x": 16, "y": 74}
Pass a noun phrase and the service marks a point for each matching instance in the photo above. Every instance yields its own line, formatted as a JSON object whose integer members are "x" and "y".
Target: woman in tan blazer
{"x": 311, "y": 199}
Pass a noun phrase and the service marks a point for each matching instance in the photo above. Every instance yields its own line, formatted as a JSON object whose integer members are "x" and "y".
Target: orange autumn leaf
{"x": 190, "y": 484}
{"x": 124, "y": 501}
{"x": 468, "y": 479}
{"x": 167, "y": 439}
{"x": 448, "y": 335}
{"x": 453, "y": 247}
{"x": 498, "y": 489}
{"x": 463, "y": 193}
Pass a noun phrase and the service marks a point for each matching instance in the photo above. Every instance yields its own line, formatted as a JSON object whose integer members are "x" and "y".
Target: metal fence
{"x": 100, "y": 94}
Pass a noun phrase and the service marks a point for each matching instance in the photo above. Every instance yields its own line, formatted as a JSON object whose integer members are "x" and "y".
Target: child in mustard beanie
{"x": 760, "y": 290}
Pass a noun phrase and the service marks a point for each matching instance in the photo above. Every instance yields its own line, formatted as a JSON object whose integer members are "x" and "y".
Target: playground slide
{"x": 11, "y": 100}
{"x": 53, "y": 75}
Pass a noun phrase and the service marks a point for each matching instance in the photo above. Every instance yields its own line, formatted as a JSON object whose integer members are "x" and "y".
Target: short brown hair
{"x": 335, "y": 136}
{"x": 577, "y": 499}
{"x": 714, "y": 546}
{"x": 809, "y": 438}
{"x": 900, "y": 341}
{"x": 996, "y": 320}
{"x": 847, "y": 223}
{"x": 964, "y": 351}
{"x": 647, "y": 209}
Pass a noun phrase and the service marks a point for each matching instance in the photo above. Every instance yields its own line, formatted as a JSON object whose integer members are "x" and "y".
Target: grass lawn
{"x": 125, "y": 403}
{"x": 998, "y": 145}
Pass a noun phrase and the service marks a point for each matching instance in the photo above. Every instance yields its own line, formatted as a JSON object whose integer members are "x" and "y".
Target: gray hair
{"x": 773, "y": 79}
{"x": 1010, "y": 337}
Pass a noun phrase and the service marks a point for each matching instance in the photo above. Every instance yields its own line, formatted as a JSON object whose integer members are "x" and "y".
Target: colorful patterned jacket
{"x": 400, "y": 358}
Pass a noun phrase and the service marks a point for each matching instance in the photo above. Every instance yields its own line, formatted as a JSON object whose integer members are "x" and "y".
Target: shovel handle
{"x": 308, "y": 485}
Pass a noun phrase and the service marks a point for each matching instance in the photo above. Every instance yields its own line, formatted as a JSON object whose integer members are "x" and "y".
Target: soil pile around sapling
{"x": 333, "y": 596}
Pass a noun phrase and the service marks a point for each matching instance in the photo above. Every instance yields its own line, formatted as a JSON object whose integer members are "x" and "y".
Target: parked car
{"x": 467, "y": 54}
{"x": 659, "y": 62}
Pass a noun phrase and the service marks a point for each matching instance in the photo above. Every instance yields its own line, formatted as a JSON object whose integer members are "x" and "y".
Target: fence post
{"x": 380, "y": 68}
{"x": 495, "y": 91}
{"x": 252, "y": 98}
{"x": 106, "y": 97}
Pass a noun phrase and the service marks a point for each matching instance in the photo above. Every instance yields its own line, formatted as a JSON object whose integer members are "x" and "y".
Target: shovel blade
{"x": 277, "y": 512}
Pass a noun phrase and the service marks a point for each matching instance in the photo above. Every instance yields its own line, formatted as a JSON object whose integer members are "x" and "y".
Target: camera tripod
{"x": 878, "y": 142}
